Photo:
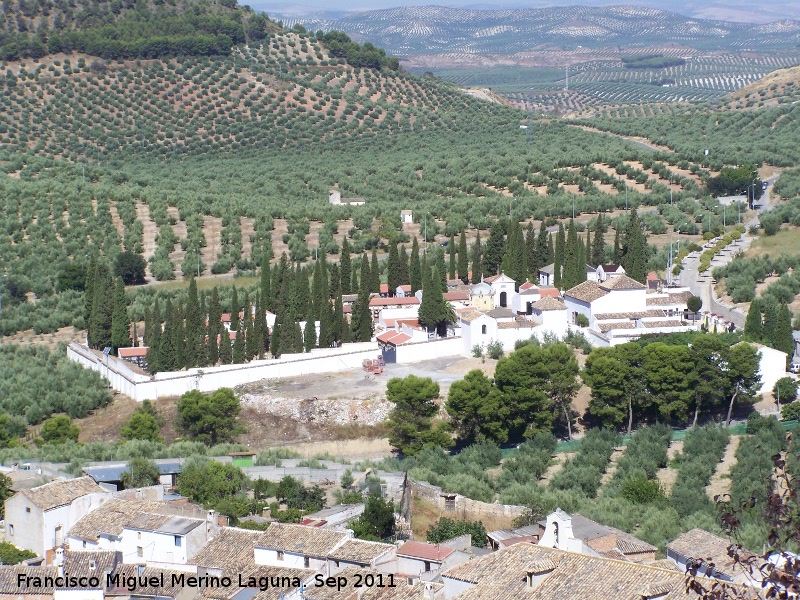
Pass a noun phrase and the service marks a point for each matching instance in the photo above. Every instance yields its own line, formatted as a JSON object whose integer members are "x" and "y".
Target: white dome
{"x": 482, "y": 289}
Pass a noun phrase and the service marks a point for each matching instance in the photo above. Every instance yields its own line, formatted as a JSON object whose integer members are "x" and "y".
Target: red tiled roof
{"x": 526, "y": 286}
{"x": 456, "y": 296}
{"x": 406, "y": 288}
{"x": 392, "y": 336}
{"x": 394, "y": 301}
{"x": 226, "y": 317}
{"x": 409, "y": 322}
{"x": 424, "y": 551}
{"x": 132, "y": 352}
{"x": 547, "y": 291}
{"x": 652, "y": 276}
{"x": 347, "y": 309}
{"x": 491, "y": 279}
{"x": 384, "y": 288}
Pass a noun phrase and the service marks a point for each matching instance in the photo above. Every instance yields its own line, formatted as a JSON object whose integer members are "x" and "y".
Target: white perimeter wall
{"x": 329, "y": 360}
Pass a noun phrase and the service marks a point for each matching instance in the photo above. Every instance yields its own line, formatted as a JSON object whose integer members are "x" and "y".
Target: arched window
{"x": 503, "y": 300}
{"x": 483, "y": 329}
{"x": 555, "y": 537}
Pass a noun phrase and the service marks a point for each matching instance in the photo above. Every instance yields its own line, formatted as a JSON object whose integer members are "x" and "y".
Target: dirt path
{"x": 212, "y": 228}
{"x": 116, "y": 220}
{"x": 640, "y": 141}
{"x": 611, "y": 469}
{"x": 555, "y": 467}
{"x": 721, "y": 482}
{"x": 668, "y": 475}
{"x": 149, "y": 232}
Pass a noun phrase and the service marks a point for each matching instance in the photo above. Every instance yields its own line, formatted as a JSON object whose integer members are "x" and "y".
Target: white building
{"x": 363, "y": 554}
{"x": 38, "y": 519}
{"x": 406, "y": 216}
{"x": 297, "y": 546}
{"x": 156, "y": 538}
{"x": 335, "y": 198}
{"x": 771, "y": 365}
{"x": 427, "y": 561}
{"x": 620, "y": 309}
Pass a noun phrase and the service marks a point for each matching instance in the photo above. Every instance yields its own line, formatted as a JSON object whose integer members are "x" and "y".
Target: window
{"x": 280, "y": 554}
{"x": 483, "y": 329}
{"x": 27, "y": 509}
{"x": 336, "y": 562}
{"x": 503, "y": 299}
{"x": 306, "y": 562}
{"x": 92, "y": 565}
{"x": 177, "y": 541}
{"x": 139, "y": 534}
{"x": 427, "y": 566}
{"x": 84, "y": 543}
{"x": 139, "y": 551}
{"x": 11, "y": 529}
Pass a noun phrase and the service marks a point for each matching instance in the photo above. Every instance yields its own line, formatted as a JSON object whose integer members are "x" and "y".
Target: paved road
{"x": 700, "y": 283}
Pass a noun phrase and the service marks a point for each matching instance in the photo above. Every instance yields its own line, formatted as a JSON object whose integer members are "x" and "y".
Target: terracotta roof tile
{"x": 310, "y": 541}
{"x": 425, "y": 551}
{"x": 59, "y": 493}
{"x": 621, "y": 282}
{"x": 111, "y": 517}
{"x": 548, "y": 303}
{"x": 702, "y": 545}
{"x": 360, "y": 551}
{"x": 231, "y": 549}
{"x": 588, "y": 291}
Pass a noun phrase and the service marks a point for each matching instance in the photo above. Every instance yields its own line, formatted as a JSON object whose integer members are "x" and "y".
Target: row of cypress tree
{"x": 770, "y": 323}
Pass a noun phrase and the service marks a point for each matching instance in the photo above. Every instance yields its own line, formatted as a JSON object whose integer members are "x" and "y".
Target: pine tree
{"x": 559, "y": 260}
{"x": 415, "y": 269}
{"x": 403, "y": 265}
{"x": 102, "y": 308}
{"x": 345, "y": 266}
{"x": 572, "y": 257}
{"x": 374, "y": 273}
{"x": 463, "y": 258}
{"x": 782, "y": 335}
{"x": 194, "y": 333}
{"x": 154, "y": 339}
{"x": 451, "y": 250}
{"x": 598, "y": 247}
{"x": 393, "y": 270}
{"x": 239, "y": 344}
{"x": 753, "y": 327}
{"x": 120, "y": 321}
{"x": 531, "y": 267}
{"x": 477, "y": 260}
{"x": 235, "y": 310}
{"x": 310, "y": 333}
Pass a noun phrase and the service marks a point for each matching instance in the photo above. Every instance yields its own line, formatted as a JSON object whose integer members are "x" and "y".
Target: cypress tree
{"x": 403, "y": 265}
{"x": 782, "y": 335}
{"x": 88, "y": 292}
{"x": 179, "y": 336}
{"x": 374, "y": 274}
{"x": 334, "y": 287}
{"x": 296, "y": 338}
{"x": 477, "y": 260}
{"x": 531, "y": 267}
{"x": 167, "y": 352}
{"x": 215, "y": 328}
{"x": 770, "y": 320}
{"x": 495, "y": 249}
{"x": 154, "y": 339}
{"x": 300, "y": 294}
{"x": 318, "y": 293}
{"x": 753, "y": 327}
{"x": 617, "y": 252}
{"x": 338, "y": 319}
{"x": 543, "y": 255}
{"x": 345, "y": 266}
{"x": 265, "y": 284}
{"x": 438, "y": 261}
{"x": 433, "y": 309}
{"x": 551, "y": 253}
{"x": 120, "y": 322}
{"x": 354, "y": 283}
{"x": 361, "y": 319}
{"x": 235, "y": 310}
{"x": 572, "y": 258}
{"x": 148, "y": 327}
{"x": 251, "y": 332}
{"x": 393, "y": 270}
{"x": 415, "y": 268}
{"x": 102, "y": 308}
{"x": 582, "y": 256}
{"x": 225, "y": 350}
{"x": 326, "y": 325}
{"x": 560, "y": 255}
{"x": 463, "y": 258}
{"x": 598, "y": 247}
{"x": 451, "y": 250}
{"x": 310, "y": 333}
{"x": 517, "y": 264}
{"x": 634, "y": 249}
{"x": 276, "y": 335}
{"x": 239, "y": 344}
{"x": 193, "y": 327}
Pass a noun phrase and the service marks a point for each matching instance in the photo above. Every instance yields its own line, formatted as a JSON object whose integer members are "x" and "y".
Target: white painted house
{"x": 297, "y": 546}
{"x": 156, "y": 538}
{"x": 38, "y": 519}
